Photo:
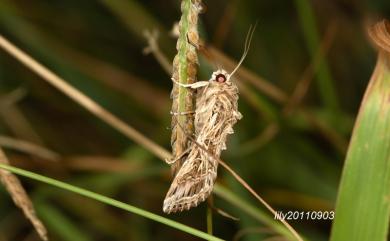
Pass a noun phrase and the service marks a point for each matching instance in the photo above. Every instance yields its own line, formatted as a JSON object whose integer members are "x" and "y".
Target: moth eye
{"x": 220, "y": 78}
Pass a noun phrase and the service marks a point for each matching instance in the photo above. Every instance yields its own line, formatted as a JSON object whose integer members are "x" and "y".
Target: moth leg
{"x": 182, "y": 113}
{"x": 195, "y": 85}
{"x": 192, "y": 42}
{"x": 222, "y": 212}
{"x": 172, "y": 160}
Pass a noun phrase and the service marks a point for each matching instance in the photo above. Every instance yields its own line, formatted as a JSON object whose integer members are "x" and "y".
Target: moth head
{"x": 220, "y": 76}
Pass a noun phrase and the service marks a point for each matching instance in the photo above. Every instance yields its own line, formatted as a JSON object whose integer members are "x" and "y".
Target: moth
{"x": 216, "y": 112}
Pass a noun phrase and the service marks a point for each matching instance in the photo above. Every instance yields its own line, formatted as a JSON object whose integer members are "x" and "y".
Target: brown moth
{"x": 216, "y": 112}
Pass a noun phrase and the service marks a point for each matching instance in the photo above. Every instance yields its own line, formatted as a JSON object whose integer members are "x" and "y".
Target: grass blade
{"x": 60, "y": 224}
{"x": 110, "y": 201}
{"x": 363, "y": 207}
{"x": 324, "y": 78}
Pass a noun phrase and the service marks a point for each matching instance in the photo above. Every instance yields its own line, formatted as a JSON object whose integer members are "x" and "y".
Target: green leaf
{"x": 363, "y": 205}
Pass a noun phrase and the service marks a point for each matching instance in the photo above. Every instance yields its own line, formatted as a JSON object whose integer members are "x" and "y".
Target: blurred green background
{"x": 292, "y": 156}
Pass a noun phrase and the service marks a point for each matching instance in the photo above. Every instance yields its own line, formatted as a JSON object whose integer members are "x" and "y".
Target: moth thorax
{"x": 220, "y": 76}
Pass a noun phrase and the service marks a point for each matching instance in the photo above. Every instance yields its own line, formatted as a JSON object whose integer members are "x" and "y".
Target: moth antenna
{"x": 247, "y": 45}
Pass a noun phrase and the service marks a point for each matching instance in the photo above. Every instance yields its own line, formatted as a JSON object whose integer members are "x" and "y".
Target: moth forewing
{"x": 215, "y": 114}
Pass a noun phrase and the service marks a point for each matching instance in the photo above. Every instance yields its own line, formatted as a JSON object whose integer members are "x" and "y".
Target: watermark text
{"x": 304, "y": 215}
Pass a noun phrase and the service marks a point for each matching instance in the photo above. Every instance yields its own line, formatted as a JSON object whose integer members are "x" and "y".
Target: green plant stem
{"x": 209, "y": 220}
{"x": 110, "y": 201}
{"x": 183, "y": 66}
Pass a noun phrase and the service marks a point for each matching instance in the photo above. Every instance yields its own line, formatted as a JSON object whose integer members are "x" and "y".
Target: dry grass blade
{"x": 82, "y": 99}
{"x": 27, "y": 147}
{"x": 20, "y": 197}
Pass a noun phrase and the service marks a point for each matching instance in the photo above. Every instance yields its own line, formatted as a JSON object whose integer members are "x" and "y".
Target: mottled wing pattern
{"x": 193, "y": 182}
{"x": 216, "y": 113}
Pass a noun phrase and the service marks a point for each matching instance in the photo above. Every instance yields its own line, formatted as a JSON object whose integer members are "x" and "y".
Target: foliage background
{"x": 97, "y": 47}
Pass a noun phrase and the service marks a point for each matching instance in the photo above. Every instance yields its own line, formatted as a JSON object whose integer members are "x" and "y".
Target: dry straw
{"x": 20, "y": 197}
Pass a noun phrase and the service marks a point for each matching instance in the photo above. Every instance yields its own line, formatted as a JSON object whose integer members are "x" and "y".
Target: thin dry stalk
{"x": 82, "y": 99}
{"x": 20, "y": 197}
{"x": 28, "y": 147}
{"x": 222, "y": 212}
{"x": 153, "y": 48}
